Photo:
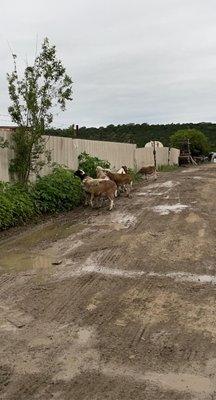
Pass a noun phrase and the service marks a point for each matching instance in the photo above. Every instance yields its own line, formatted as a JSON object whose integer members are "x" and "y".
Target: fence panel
{"x": 174, "y": 156}
{"x": 65, "y": 151}
{"x": 144, "y": 157}
{"x": 5, "y": 157}
{"x": 162, "y": 155}
{"x": 117, "y": 154}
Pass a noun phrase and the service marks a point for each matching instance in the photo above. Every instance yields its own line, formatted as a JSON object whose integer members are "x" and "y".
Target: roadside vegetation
{"x": 57, "y": 192}
{"x": 167, "y": 168}
{"x": 89, "y": 164}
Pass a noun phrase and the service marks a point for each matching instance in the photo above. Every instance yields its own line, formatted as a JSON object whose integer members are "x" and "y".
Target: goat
{"x": 149, "y": 170}
{"x": 101, "y": 174}
{"x": 123, "y": 170}
{"x": 121, "y": 180}
{"x": 97, "y": 187}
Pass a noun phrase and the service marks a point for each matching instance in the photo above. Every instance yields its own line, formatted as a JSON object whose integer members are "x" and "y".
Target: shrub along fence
{"x": 65, "y": 151}
{"x": 57, "y": 192}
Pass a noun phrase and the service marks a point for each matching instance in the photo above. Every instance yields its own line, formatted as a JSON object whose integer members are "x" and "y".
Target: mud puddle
{"x": 32, "y": 250}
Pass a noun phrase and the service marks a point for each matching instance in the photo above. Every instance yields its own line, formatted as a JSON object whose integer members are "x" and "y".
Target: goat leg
{"x": 91, "y": 199}
{"x": 86, "y": 199}
{"x": 111, "y": 203}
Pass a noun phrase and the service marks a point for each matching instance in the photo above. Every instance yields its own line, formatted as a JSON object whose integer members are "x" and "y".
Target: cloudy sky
{"x": 138, "y": 61}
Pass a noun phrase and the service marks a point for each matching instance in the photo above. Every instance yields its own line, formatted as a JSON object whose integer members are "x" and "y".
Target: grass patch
{"x": 167, "y": 168}
{"x": 135, "y": 175}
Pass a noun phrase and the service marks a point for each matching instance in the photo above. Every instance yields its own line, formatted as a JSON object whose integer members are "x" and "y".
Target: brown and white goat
{"x": 123, "y": 170}
{"x": 149, "y": 170}
{"x": 101, "y": 173}
{"x": 121, "y": 180}
{"x": 98, "y": 187}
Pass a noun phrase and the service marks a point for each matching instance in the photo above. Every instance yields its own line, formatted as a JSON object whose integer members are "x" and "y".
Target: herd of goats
{"x": 109, "y": 184}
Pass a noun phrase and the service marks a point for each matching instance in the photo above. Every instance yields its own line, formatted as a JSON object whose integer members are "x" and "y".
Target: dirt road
{"x": 128, "y": 311}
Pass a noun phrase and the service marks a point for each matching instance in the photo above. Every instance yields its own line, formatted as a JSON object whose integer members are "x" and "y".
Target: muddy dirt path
{"x": 97, "y": 305}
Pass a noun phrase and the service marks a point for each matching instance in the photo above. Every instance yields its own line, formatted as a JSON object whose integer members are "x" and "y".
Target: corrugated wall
{"x": 174, "y": 156}
{"x": 162, "y": 155}
{"x": 65, "y": 151}
{"x": 5, "y": 157}
{"x": 144, "y": 157}
{"x": 117, "y": 154}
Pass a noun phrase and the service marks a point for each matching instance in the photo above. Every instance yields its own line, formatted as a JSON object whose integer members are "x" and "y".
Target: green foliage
{"x": 139, "y": 133}
{"x": 198, "y": 141}
{"x": 89, "y": 164}
{"x": 167, "y": 168}
{"x": 45, "y": 85}
{"x": 59, "y": 191}
{"x": 67, "y": 132}
{"x": 135, "y": 175}
{"x": 3, "y": 143}
{"x": 16, "y": 205}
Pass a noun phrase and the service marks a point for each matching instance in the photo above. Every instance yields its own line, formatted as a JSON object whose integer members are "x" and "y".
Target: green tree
{"x": 43, "y": 87}
{"x": 198, "y": 141}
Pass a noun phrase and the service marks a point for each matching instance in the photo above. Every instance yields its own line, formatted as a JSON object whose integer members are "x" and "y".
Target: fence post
{"x": 134, "y": 158}
{"x": 169, "y": 149}
{"x": 154, "y": 153}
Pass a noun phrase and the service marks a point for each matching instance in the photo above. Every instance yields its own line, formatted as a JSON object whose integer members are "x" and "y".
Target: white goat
{"x": 98, "y": 187}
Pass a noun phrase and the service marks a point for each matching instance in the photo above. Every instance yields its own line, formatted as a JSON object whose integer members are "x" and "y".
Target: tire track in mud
{"x": 144, "y": 326}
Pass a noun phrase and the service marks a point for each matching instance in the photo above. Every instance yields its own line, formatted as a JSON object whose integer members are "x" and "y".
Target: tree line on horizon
{"x": 138, "y": 134}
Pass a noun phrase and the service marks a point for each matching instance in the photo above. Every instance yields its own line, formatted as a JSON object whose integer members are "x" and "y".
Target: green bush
{"x": 89, "y": 164}
{"x": 58, "y": 191}
{"x": 135, "y": 175}
{"x": 16, "y": 205}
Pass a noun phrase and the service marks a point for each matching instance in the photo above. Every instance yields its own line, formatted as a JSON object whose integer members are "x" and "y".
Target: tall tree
{"x": 198, "y": 141}
{"x": 44, "y": 86}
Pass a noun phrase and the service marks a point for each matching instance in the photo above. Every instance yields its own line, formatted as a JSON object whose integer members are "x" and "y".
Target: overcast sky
{"x": 138, "y": 61}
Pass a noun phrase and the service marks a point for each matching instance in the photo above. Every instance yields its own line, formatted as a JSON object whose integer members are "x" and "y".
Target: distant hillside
{"x": 137, "y": 133}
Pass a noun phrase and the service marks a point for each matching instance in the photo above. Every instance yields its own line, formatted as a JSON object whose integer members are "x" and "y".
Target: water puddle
{"x": 166, "y": 209}
{"x": 32, "y": 250}
{"x": 158, "y": 187}
{"x": 20, "y": 261}
{"x": 116, "y": 220}
{"x": 187, "y": 277}
{"x": 167, "y": 185}
{"x": 180, "y": 382}
{"x": 190, "y": 170}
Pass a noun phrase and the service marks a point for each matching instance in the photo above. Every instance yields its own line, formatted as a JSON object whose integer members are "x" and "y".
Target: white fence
{"x": 65, "y": 151}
